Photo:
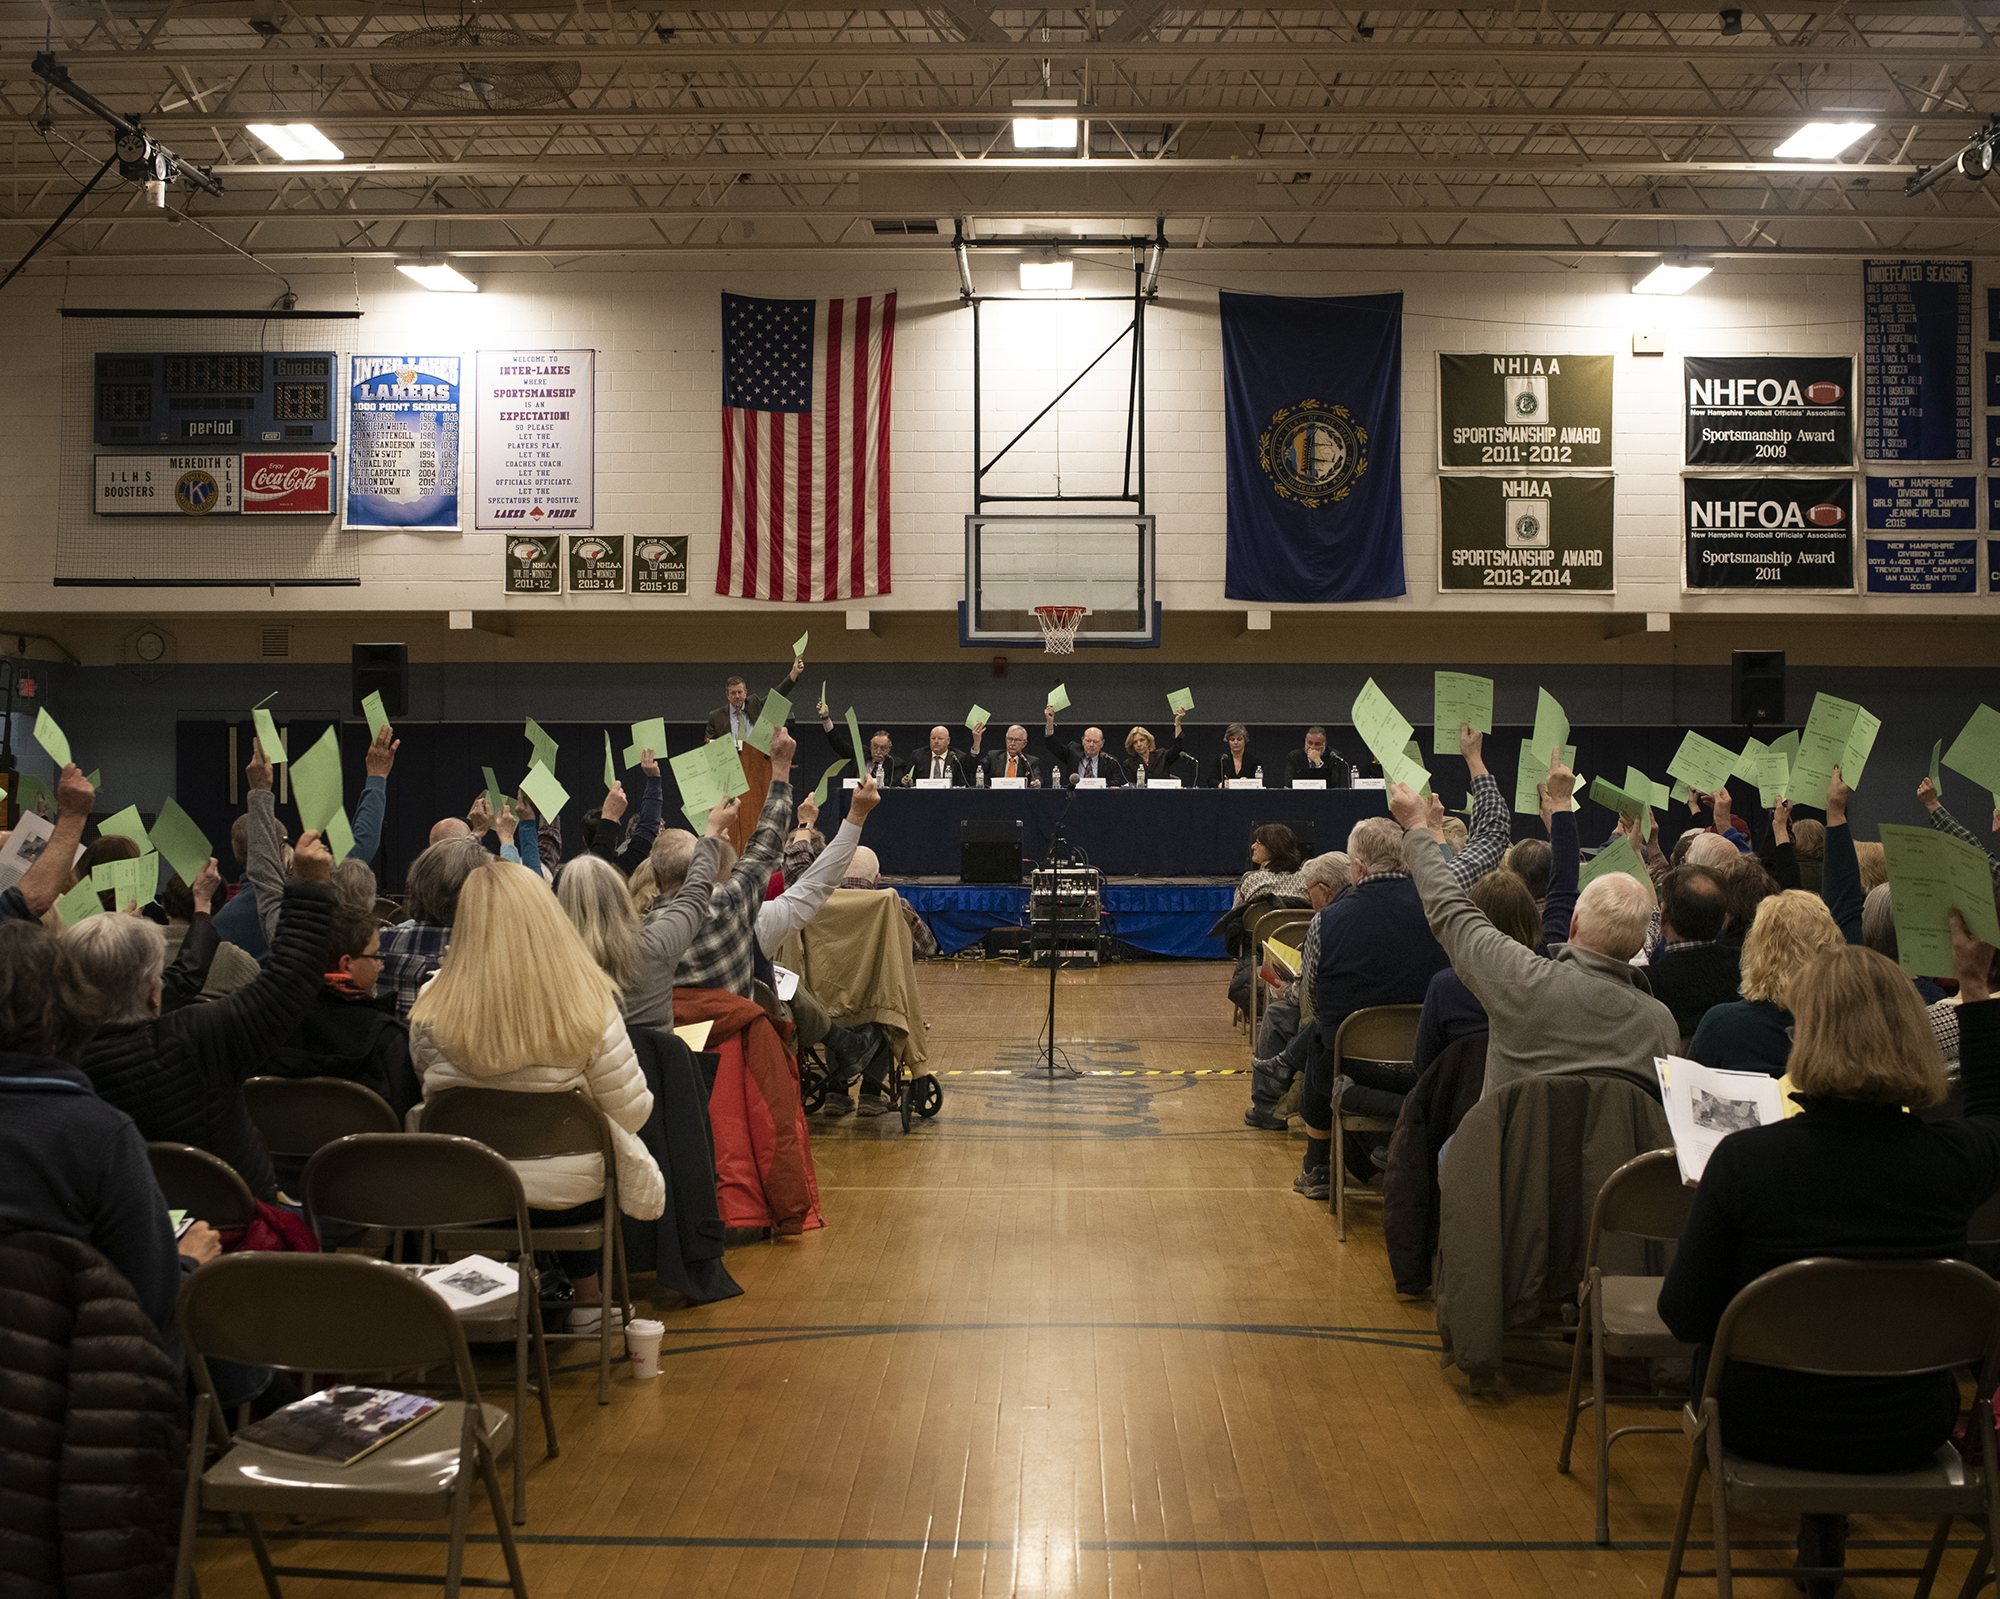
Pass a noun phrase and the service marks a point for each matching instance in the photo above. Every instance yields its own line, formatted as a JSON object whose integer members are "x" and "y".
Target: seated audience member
{"x": 71, "y": 1162}
{"x": 1714, "y": 809}
{"x": 1529, "y": 860}
{"x": 1235, "y": 763}
{"x": 1874, "y": 863}
{"x": 1453, "y": 834}
{"x": 1283, "y": 1042}
{"x": 349, "y": 1031}
{"x": 1746, "y": 884}
{"x": 1945, "y": 822}
{"x": 1012, "y": 761}
{"x": 199, "y": 965}
{"x": 609, "y": 840}
{"x": 1374, "y": 949}
{"x": 1707, "y": 849}
{"x": 102, "y": 851}
{"x": 670, "y": 895}
{"x": 1691, "y": 969}
{"x": 1316, "y": 762}
{"x": 1751, "y": 1034}
{"x": 49, "y": 877}
{"x": 1580, "y": 1010}
{"x": 412, "y": 951}
{"x": 1143, "y": 755}
{"x": 1274, "y": 865}
{"x": 865, "y": 871}
{"x": 449, "y": 827}
{"x": 723, "y": 953}
{"x": 1451, "y": 1010}
{"x": 180, "y": 1076}
{"x": 1854, "y": 1176}
{"x": 1878, "y": 932}
{"x": 1083, "y": 760}
{"x": 522, "y": 1006}
{"x": 1809, "y": 845}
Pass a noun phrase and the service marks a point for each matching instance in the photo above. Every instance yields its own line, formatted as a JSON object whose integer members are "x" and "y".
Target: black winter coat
{"x": 1431, "y": 1113}
{"x": 92, "y": 1429}
{"x": 180, "y": 1077}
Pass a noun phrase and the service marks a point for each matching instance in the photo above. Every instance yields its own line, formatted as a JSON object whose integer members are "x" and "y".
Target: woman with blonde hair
{"x": 1142, "y": 754}
{"x": 1853, "y": 1176}
{"x": 1753, "y": 1034}
{"x": 519, "y": 1004}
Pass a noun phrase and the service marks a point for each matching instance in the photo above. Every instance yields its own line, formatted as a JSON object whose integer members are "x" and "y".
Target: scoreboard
{"x": 181, "y": 398}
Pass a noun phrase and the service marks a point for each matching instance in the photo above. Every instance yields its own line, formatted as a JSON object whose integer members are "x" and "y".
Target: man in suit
{"x": 739, "y": 712}
{"x": 881, "y": 763}
{"x": 1014, "y": 760}
{"x": 1316, "y": 762}
{"x": 1085, "y": 760}
{"x": 940, "y": 761}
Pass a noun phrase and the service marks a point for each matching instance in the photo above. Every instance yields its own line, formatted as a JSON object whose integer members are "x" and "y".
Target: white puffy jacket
{"x": 612, "y": 1079}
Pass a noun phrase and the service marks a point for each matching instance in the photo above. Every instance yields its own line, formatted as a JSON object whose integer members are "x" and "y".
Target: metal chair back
{"x": 203, "y": 1185}
{"x": 298, "y": 1115}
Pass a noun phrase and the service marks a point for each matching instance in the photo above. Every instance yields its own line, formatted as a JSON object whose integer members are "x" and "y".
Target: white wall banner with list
{"x": 535, "y": 460}
{"x": 402, "y": 443}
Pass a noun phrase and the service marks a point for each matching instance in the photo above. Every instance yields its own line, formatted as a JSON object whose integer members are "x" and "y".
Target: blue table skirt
{"x": 1160, "y": 918}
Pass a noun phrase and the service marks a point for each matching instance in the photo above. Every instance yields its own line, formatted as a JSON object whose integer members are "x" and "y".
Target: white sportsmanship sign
{"x": 535, "y": 452}
{"x": 168, "y": 485}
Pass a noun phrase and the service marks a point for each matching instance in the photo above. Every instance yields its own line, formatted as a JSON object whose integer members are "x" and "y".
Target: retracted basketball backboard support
{"x": 1073, "y": 548}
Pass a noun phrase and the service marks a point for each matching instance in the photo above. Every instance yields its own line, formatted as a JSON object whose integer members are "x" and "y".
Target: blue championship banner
{"x": 1313, "y": 392}
{"x": 1922, "y": 504}
{"x": 1923, "y": 566}
{"x": 1917, "y": 357}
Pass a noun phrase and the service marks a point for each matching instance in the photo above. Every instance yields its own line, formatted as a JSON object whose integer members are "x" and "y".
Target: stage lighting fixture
{"x": 1732, "y": 20}
{"x": 297, "y": 141}
{"x": 1053, "y": 274}
{"x": 1044, "y": 132}
{"x": 438, "y": 277}
{"x": 1822, "y": 141}
{"x": 1672, "y": 277}
{"x": 1975, "y": 161}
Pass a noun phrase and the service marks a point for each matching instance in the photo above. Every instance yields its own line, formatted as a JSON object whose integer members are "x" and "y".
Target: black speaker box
{"x": 1756, "y": 687}
{"x": 989, "y": 851}
{"x": 383, "y": 669}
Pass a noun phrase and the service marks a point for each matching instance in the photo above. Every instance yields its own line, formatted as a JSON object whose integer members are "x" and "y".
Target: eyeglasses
{"x": 377, "y": 959}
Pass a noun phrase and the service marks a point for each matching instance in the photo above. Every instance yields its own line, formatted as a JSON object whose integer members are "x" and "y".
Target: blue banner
{"x": 1313, "y": 392}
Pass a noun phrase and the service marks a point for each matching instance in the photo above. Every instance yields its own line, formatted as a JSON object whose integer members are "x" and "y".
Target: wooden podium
{"x": 750, "y": 806}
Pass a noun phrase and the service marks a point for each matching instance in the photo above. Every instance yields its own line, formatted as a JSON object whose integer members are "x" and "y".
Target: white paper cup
{"x": 642, "y": 1342}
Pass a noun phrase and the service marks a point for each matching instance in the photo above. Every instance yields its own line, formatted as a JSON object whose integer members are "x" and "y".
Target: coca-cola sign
{"x": 287, "y": 483}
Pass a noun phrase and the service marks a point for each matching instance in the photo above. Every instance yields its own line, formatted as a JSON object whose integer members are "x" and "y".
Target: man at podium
{"x": 733, "y": 719}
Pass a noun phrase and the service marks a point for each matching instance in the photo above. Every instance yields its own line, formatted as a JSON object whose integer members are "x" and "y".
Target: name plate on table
{"x": 1308, "y": 782}
{"x": 850, "y": 782}
{"x": 1161, "y": 782}
{"x": 1008, "y": 782}
{"x": 933, "y": 782}
{"x": 1246, "y": 782}
{"x": 1090, "y": 782}
{"x": 1371, "y": 782}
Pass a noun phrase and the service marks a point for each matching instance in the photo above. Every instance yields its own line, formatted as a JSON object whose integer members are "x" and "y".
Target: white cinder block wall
{"x": 655, "y": 326}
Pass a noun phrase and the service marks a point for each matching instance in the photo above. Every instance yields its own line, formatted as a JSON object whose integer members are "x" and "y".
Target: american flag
{"x": 805, "y": 447}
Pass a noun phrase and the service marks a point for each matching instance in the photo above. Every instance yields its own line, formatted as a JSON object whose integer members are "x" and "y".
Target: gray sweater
{"x": 1576, "y": 1010}
{"x": 664, "y": 936}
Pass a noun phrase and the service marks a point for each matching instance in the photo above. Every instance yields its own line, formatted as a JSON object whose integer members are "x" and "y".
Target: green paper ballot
{"x": 799, "y": 645}
{"x": 494, "y": 798}
{"x": 1532, "y": 772}
{"x": 854, "y": 737}
{"x": 79, "y": 904}
{"x": 777, "y": 709}
{"x": 125, "y": 824}
{"x": 371, "y": 707}
{"x": 1976, "y": 751}
{"x": 1380, "y": 724}
{"x": 1617, "y": 856}
{"x": 1702, "y": 764}
{"x": 185, "y": 845}
{"x": 1937, "y": 783}
{"x": 1679, "y": 792}
{"x": 1181, "y": 700}
{"x": 96, "y": 781}
{"x": 51, "y": 737}
{"x": 267, "y": 737}
{"x": 316, "y": 782}
{"x": 647, "y": 735}
{"x": 1551, "y": 724}
{"x": 978, "y": 716}
{"x": 1838, "y": 733}
{"x": 610, "y": 771}
{"x": 1059, "y": 696}
{"x": 1460, "y": 698}
{"x": 826, "y": 777}
{"x": 1765, "y": 767}
{"x": 726, "y": 768}
{"x": 1608, "y": 794}
{"x": 1643, "y": 788}
{"x": 29, "y": 792}
{"x": 695, "y": 778}
{"x": 1410, "y": 771}
{"x": 544, "y": 747}
{"x": 697, "y": 820}
{"x": 1930, "y": 873}
{"x": 339, "y": 836}
{"x": 540, "y": 786}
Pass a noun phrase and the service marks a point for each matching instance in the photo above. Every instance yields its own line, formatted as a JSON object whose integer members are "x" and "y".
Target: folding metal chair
{"x": 533, "y": 1127}
{"x": 300, "y": 1115}
{"x": 1644, "y": 1198}
{"x": 1849, "y": 1318}
{"x": 423, "y": 1181}
{"x": 1384, "y": 1035}
{"x": 337, "y": 1315}
{"x": 204, "y": 1185}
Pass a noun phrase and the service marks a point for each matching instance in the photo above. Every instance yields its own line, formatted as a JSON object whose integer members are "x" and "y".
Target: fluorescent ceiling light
{"x": 298, "y": 141}
{"x": 1044, "y": 132}
{"x": 438, "y": 277}
{"x": 1046, "y": 274}
{"x": 1671, "y": 277}
{"x": 1822, "y": 141}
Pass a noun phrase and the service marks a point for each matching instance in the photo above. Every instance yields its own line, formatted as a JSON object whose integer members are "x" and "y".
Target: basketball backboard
{"x": 1103, "y": 563}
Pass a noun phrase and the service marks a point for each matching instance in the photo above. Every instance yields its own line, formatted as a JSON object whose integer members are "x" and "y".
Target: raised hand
{"x": 1562, "y": 781}
{"x": 1406, "y": 805}
{"x": 382, "y": 752}
{"x": 648, "y": 763}
{"x": 75, "y": 796}
{"x": 721, "y": 818}
{"x": 203, "y": 888}
{"x": 614, "y": 804}
{"x": 1434, "y": 814}
{"x": 258, "y": 769}
{"x": 1837, "y": 796}
{"x": 808, "y": 811}
{"x": 1928, "y": 794}
{"x": 506, "y": 823}
{"x": 865, "y": 798}
{"x": 1719, "y": 811}
{"x": 783, "y": 746}
{"x": 1471, "y": 745}
{"x": 480, "y": 817}
{"x": 1781, "y": 821}
{"x": 312, "y": 862}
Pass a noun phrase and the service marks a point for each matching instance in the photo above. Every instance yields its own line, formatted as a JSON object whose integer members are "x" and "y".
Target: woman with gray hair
{"x": 413, "y": 951}
{"x": 180, "y": 1076}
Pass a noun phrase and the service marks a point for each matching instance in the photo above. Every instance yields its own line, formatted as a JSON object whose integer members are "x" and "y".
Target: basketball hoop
{"x": 1059, "y": 625}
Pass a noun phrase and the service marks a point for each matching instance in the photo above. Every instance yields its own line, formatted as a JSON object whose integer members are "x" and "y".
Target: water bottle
{"x": 980, "y": 773}
{"x": 1260, "y": 777}
{"x": 1142, "y": 771}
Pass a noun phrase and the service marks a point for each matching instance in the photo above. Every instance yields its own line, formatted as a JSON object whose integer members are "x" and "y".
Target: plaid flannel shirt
{"x": 410, "y": 957}
{"x": 1486, "y": 840}
{"x": 723, "y": 954}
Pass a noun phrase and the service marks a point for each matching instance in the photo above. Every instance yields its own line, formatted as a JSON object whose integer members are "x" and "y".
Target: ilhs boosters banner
{"x": 1767, "y": 410}
{"x": 1768, "y": 533}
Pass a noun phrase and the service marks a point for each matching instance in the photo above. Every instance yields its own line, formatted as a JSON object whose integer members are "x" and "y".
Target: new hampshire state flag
{"x": 1313, "y": 393}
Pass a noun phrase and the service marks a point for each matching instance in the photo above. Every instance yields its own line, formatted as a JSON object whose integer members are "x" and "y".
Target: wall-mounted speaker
{"x": 1756, "y": 687}
{"x": 382, "y": 669}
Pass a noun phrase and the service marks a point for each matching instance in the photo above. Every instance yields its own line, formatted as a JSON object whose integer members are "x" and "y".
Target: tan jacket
{"x": 612, "y": 1079}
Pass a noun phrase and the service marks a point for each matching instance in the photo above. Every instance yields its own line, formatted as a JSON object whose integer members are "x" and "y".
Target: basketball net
{"x": 1059, "y": 625}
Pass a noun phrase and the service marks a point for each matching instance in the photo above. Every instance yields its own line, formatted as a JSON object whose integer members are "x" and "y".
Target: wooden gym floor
{"x": 1071, "y": 1339}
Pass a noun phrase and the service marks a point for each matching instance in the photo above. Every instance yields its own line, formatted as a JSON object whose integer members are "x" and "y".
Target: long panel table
{"x": 1123, "y": 832}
